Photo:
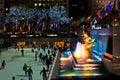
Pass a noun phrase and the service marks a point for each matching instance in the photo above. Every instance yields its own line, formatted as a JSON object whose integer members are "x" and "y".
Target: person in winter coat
{"x": 44, "y": 73}
{"x": 25, "y": 67}
{"x": 3, "y": 64}
{"x": 30, "y": 72}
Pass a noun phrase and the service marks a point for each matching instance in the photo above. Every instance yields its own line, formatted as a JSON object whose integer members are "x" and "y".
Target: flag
{"x": 109, "y": 8}
{"x": 87, "y": 20}
{"x": 81, "y": 20}
{"x": 100, "y": 14}
{"x": 94, "y": 21}
{"x": 104, "y": 12}
{"x": 109, "y": 12}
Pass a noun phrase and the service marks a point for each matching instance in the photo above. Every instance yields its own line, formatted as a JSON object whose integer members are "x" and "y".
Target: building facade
{"x": 37, "y": 3}
{"x": 78, "y": 8}
{"x": 1, "y": 11}
{"x": 48, "y": 3}
{"x": 100, "y": 4}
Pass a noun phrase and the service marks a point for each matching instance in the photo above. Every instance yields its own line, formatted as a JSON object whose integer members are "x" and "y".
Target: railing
{"x": 52, "y": 67}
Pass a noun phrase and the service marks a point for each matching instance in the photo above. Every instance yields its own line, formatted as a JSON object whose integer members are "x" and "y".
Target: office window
{"x": 6, "y": 9}
{"x": 35, "y": 4}
{"x": 44, "y": 4}
{"x": 39, "y": 4}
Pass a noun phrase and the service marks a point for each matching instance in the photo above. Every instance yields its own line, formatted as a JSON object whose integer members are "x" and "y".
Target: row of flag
{"x": 100, "y": 14}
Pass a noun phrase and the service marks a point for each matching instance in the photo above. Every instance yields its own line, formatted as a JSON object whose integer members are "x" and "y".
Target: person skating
{"x": 3, "y": 64}
{"x": 22, "y": 51}
{"x": 25, "y": 67}
{"x": 44, "y": 73}
{"x": 30, "y": 72}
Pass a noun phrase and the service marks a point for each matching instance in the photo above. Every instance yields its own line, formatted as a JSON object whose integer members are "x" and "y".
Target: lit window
{"x": 48, "y": 0}
{"x": 43, "y": 4}
{"x": 35, "y": 4}
{"x": 6, "y": 9}
{"x": 40, "y": 4}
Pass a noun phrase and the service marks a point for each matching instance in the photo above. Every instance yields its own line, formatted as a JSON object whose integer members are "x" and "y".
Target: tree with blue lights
{"x": 56, "y": 13}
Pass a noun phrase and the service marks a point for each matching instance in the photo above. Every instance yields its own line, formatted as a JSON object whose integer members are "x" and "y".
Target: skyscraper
{"x": 79, "y": 8}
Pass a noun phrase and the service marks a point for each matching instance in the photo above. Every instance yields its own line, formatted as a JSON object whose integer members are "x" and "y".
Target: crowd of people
{"x": 42, "y": 54}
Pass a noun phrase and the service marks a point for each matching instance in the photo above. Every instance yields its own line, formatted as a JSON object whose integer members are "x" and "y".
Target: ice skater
{"x": 44, "y": 73}
{"x": 25, "y": 67}
{"x": 3, "y": 64}
{"x": 22, "y": 51}
{"x": 30, "y": 72}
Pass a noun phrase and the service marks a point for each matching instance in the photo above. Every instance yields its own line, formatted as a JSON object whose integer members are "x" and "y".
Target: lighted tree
{"x": 55, "y": 13}
{"x": 58, "y": 13}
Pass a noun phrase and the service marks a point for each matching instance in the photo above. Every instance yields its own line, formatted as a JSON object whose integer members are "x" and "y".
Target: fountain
{"x": 83, "y": 52}
{"x": 80, "y": 63}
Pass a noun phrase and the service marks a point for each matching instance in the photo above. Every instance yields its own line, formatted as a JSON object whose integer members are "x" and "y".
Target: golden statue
{"x": 84, "y": 50}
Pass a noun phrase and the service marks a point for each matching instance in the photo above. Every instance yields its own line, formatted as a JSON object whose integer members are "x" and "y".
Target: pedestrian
{"x": 44, "y": 73}
{"x": 3, "y": 64}
{"x": 25, "y": 67}
{"x": 30, "y": 72}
